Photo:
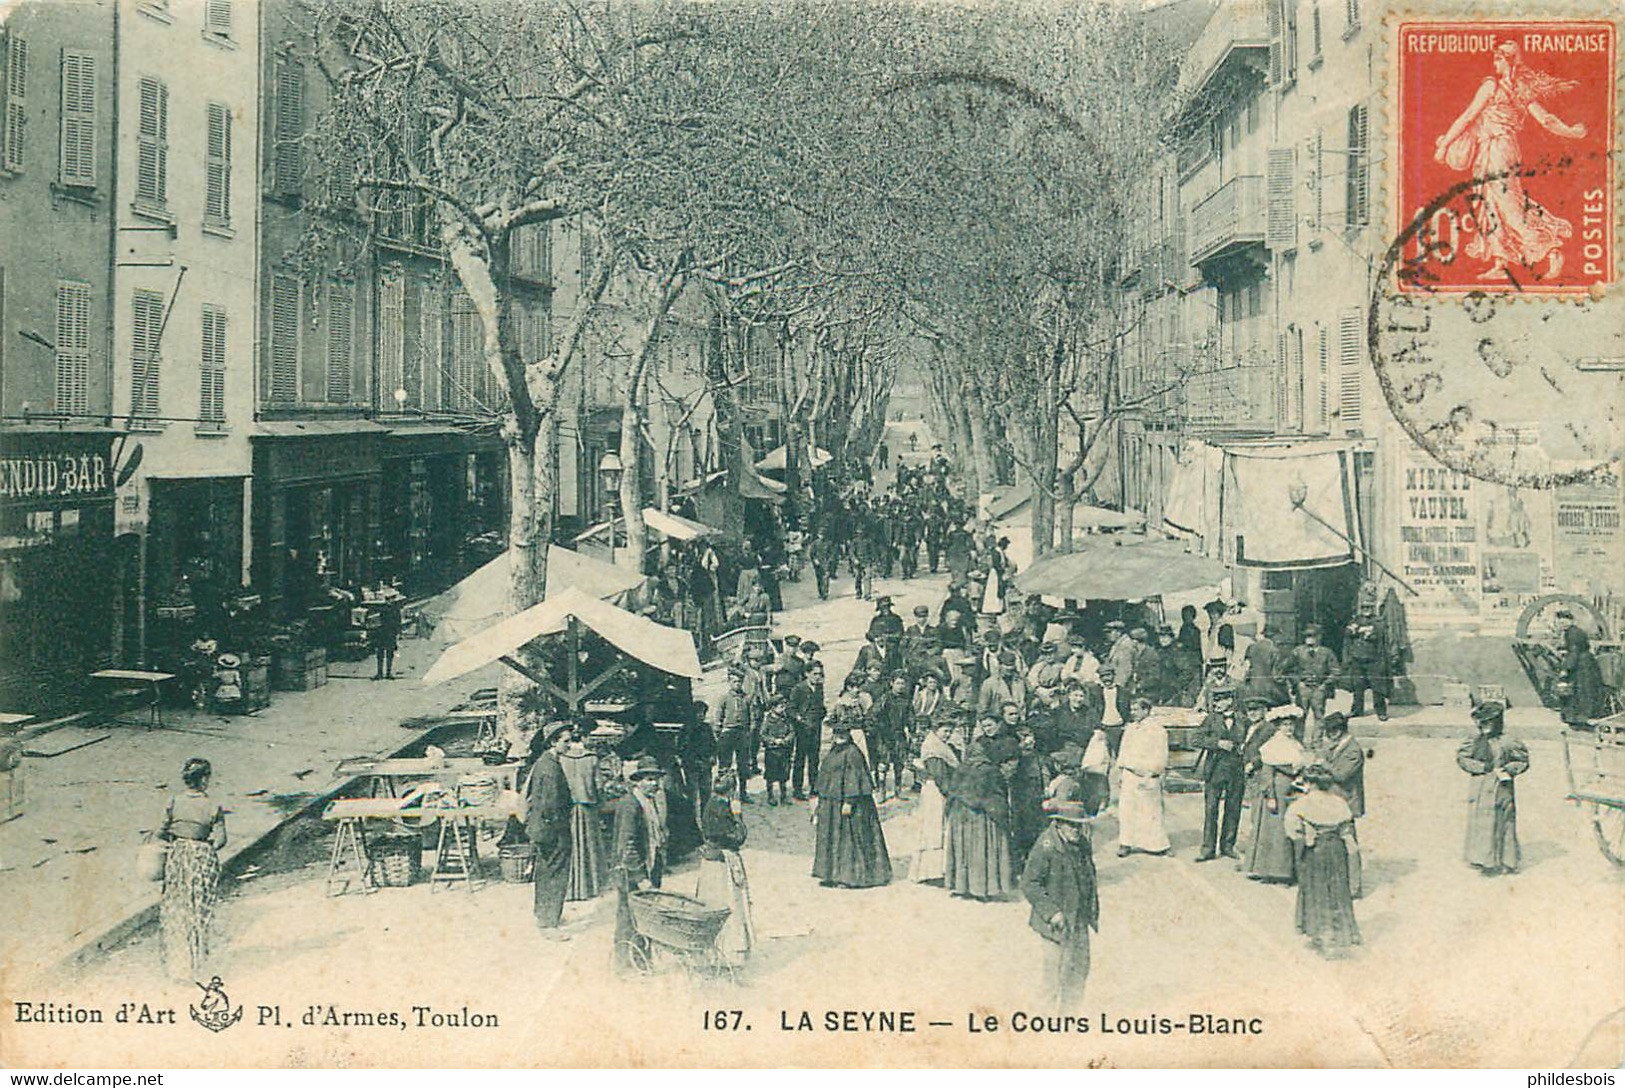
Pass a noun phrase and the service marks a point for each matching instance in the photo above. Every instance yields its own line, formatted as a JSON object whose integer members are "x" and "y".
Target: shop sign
{"x": 1438, "y": 536}
{"x": 54, "y": 476}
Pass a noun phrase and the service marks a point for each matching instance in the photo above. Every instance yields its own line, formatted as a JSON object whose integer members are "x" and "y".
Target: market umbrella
{"x": 775, "y": 460}
{"x": 481, "y": 599}
{"x": 665, "y": 648}
{"x": 1116, "y": 571}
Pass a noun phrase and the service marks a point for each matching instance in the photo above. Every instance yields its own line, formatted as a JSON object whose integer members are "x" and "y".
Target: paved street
{"x": 70, "y": 856}
{"x": 1456, "y": 968}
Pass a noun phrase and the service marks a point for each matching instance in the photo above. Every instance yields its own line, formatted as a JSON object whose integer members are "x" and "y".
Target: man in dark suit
{"x": 1224, "y": 775}
{"x": 1345, "y": 759}
{"x": 637, "y": 853}
{"x": 547, "y": 824}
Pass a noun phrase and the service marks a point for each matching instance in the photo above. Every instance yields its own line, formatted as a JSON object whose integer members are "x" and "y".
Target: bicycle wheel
{"x": 1608, "y": 822}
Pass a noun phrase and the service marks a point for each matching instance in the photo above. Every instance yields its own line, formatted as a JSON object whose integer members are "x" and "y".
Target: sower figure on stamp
{"x": 1059, "y": 882}
{"x": 548, "y": 806}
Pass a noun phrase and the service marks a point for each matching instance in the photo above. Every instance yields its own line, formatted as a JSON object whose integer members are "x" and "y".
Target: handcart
{"x": 1595, "y": 762}
{"x": 682, "y": 928}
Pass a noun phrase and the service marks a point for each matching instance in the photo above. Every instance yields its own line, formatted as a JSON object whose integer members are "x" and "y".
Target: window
{"x": 76, "y": 152}
{"x": 340, "y": 341}
{"x": 431, "y": 352}
{"x": 284, "y": 338}
{"x": 14, "y": 123}
{"x": 217, "y": 171}
{"x": 288, "y": 127}
{"x": 72, "y": 348}
{"x": 1281, "y": 188}
{"x": 211, "y": 404}
{"x": 1316, "y": 156}
{"x": 391, "y": 336}
{"x": 1315, "y": 34}
{"x": 1282, "y": 18}
{"x": 217, "y": 18}
{"x": 152, "y": 144}
{"x": 147, "y": 315}
{"x": 1358, "y": 196}
{"x": 466, "y": 340}
{"x": 532, "y": 255}
{"x": 1352, "y": 11}
{"x": 1323, "y": 378}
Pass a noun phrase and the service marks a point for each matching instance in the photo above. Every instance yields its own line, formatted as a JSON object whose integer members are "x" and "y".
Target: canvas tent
{"x": 1114, "y": 570}
{"x": 481, "y": 599}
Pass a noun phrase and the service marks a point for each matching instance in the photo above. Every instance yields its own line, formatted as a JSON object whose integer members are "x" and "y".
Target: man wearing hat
{"x": 807, "y": 712}
{"x": 1005, "y": 687}
{"x": 1046, "y": 671}
{"x": 1345, "y": 762}
{"x": 1121, "y": 655}
{"x": 733, "y": 728}
{"x": 885, "y": 622}
{"x": 1224, "y": 774}
{"x": 638, "y": 853}
{"x": 1366, "y": 663}
{"x": 1059, "y": 883}
{"x": 921, "y": 627}
{"x": 1493, "y": 762}
{"x": 547, "y": 823}
{"x": 1310, "y": 671}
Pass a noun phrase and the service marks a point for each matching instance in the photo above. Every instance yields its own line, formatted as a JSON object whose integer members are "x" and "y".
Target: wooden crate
{"x": 301, "y": 671}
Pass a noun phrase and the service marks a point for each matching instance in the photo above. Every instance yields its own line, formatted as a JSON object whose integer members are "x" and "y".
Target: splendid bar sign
{"x": 72, "y": 474}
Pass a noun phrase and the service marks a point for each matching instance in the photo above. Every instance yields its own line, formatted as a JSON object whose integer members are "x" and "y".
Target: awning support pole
{"x": 1378, "y": 563}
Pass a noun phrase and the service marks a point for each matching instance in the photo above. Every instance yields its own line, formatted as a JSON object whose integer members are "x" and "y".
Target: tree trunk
{"x": 981, "y": 442}
{"x": 1065, "y": 512}
{"x": 631, "y": 493}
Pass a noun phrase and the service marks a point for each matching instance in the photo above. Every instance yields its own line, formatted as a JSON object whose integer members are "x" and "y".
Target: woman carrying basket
{"x": 723, "y": 882}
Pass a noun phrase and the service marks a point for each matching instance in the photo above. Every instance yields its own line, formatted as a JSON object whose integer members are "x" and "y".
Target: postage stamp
{"x": 1505, "y": 145}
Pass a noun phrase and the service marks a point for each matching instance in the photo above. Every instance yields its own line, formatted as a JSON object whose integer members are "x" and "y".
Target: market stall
{"x": 482, "y": 599}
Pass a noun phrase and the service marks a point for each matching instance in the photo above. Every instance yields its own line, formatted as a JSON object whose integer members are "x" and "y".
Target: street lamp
{"x": 609, "y": 471}
{"x": 1298, "y": 493}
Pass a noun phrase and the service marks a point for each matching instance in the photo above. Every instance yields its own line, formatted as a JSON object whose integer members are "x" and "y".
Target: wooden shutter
{"x": 1352, "y": 12}
{"x": 152, "y": 142}
{"x": 15, "y": 122}
{"x": 340, "y": 343}
{"x": 72, "y": 347}
{"x": 1289, "y": 40}
{"x": 217, "y": 18}
{"x": 1315, "y": 34}
{"x": 76, "y": 152}
{"x": 147, "y": 315}
{"x": 1281, "y": 380}
{"x": 1351, "y": 367}
{"x": 288, "y": 126}
{"x": 431, "y": 342}
{"x": 217, "y": 179}
{"x": 1281, "y": 226}
{"x": 465, "y": 352}
{"x": 1358, "y": 210}
{"x": 1323, "y": 379}
{"x": 284, "y": 338}
{"x": 391, "y": 335}
{"x": 1275, "y": 28}
{"x": 1314, "y": 170}
{"x": 212, "y": 373}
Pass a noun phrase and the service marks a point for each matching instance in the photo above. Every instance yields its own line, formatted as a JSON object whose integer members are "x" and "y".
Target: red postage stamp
{"x": 1504, "y": 134}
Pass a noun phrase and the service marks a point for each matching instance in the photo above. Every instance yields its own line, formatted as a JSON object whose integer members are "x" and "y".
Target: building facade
{"x": 1263, "y": 434}
{"x": 60, "y": 584}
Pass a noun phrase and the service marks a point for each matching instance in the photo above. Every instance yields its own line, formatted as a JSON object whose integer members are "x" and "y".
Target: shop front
{"x": 316, "y": 526}
{"x": 194, "y": 564}
{"x": 58, "y": 583}
{"x": 444, "y": 490}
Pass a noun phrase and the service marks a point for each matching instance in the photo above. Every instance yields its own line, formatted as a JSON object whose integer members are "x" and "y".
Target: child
{"x": 778, "y": 741}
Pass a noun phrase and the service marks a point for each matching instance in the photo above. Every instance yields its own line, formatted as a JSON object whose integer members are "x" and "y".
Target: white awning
{"x": 665, "y": 648}
{"x": 481, "y": 599}
{"x": 777, "y": 459}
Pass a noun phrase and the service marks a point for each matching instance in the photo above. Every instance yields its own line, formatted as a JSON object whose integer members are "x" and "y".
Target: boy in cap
{"x": 1059, "y": 883}
{"x": 638, "y": 853}
{"x": 778, "y": 742}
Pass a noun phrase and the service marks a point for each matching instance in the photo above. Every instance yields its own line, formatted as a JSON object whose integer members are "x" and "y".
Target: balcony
{"x": 1234, "y": 400}
{"x": 1232, "y": 218}
{"x": 1237, "y": 35}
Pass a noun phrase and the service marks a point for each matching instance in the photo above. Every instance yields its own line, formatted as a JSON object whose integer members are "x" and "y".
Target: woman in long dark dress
{"x": 722, "y": 881}
{"x": 849, "y": 847}
{"x": 978, "y": 860}
{"x": 1585, "y": 699}
{"x": 195, "y": 828}
{"x": 1321, "y": 824}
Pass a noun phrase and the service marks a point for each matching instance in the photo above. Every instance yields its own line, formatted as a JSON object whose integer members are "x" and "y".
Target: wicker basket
{"x": 397, "y": 860}
{"x": 518, "y": 860}
{"x": 677, "y": 921}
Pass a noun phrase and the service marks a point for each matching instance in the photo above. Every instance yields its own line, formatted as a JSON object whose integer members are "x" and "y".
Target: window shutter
{"x": 217, "y": 18}
{"x": 1315, "y": 38}
{"x": 76, "y": 157}
{"x": 340, "y": 343}
{"x": 1315, "y": 176}
{"x": 431, "y": 316}
{"x": 15, "y": 121}
{"x": 1289, "y": 39}
{"x": 288, "y": 159}
{"x": 465, "y": 352}
{"x": 1359, "y": 170}
{"x": 1281, "y": 227}
{"x": 147, "y": 313}
{"x": 1350, "y": 367}
{"x": 284, "y": 338}
{"x": 1323, "y": 379}
{"x": 391, "y": 336}
{"x": 72, "y": 348}
{"x": 1275, "y": 27}
{"x": 1352, "y": 11}
{"x": 217, "y": 182}
{"x": 212, "y": 377}
{"x": 152, "y": 140}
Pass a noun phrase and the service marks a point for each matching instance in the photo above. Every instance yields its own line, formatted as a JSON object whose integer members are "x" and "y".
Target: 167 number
{"x": 725, "y": 1020}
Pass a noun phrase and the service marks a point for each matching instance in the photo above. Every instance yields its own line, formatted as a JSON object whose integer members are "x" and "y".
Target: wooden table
{"x": 485, "y": 716}
{"x": 456, "y": 851}
{"x": 388, "y": 773}
{"x": 138, "y": 676}
{"x": 8, "y": 718}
